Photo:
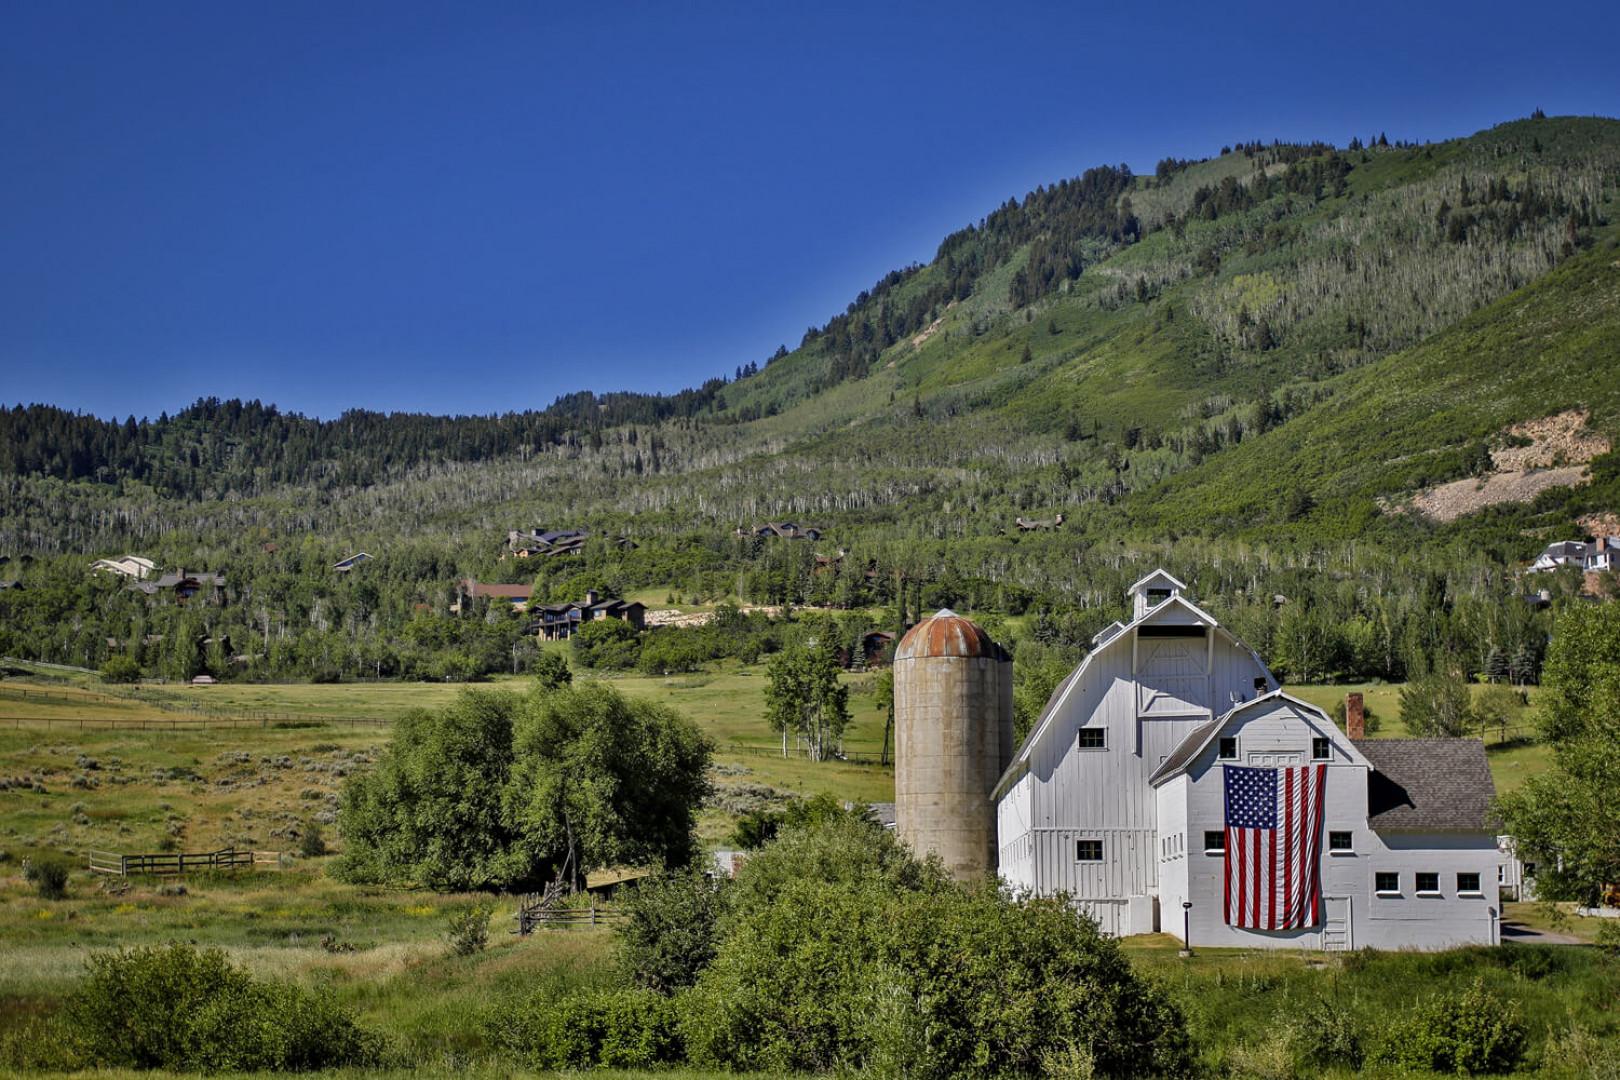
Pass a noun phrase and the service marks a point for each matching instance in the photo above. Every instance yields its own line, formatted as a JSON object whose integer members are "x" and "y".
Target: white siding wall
{"x": 1015, "y": 854}
{"x": 1149, "y": 696}
{"x": 1347, "y": 879}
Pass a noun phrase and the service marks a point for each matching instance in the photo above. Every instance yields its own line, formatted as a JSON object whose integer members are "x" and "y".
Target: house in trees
{"x": 555, "y": 543}
{"x": 185, "y": 585}
{"x": 780, "y": 530}
{"x": 134, "y": 567}
{"x": 1170, "y": 783}
{"x": 469, "y": 590}
{"x": 558, "y": 622}
{"x": 1595, "y": 556}
{"x": 345, "y": 565}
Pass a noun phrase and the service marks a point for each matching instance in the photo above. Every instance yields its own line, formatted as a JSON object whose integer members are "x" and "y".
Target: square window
{"x": 1341, "y": 841}
{"x": 1321, "y": 749}
{"x": 1386, "y": 883}
{"x": 1091, "y": 738}
{"x": 1468, "y": 883}
{"x": 1088, "y": 850}
{"x": 1229, "y": 748}
{"x": 1214, "y": 840}
{"x": 1428, "y": 882}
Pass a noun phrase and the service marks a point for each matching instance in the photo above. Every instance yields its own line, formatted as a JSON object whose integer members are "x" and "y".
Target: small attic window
{"x": 1157, "y": 596}
{"x": 1228, "y": 748}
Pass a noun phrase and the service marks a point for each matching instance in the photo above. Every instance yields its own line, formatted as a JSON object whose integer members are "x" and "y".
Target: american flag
{"x": 1273, "y": 846}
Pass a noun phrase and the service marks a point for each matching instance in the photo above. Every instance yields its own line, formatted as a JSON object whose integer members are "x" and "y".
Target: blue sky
{"x": 476, "y": 207}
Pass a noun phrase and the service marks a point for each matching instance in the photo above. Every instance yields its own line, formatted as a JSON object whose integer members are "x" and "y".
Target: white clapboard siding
{"x": 1148, "y": 694}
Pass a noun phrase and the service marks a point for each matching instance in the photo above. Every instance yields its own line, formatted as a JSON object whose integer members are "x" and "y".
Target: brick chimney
{"x": 1355, "y": 717}
{"x": 592, "y": 596}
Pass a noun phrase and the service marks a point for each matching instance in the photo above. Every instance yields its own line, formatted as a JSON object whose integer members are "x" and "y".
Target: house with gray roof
{"x": 1172, "y": 785}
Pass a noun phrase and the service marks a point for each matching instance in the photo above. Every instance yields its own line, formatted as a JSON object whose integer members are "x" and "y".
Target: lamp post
{"x": 1186, "y": 928}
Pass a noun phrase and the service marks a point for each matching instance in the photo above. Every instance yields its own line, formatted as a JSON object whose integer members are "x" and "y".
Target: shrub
{"x": 670, "y": 930}
{"x": 1475, "y": 1031}
{"x": 551, "y": 671}
{"x": 312, "y": 842}
{"x": 121, "y": 669}
{"x": 843, "y": 953}
{"x": 607, "y": 644}
{"x": 49, "y": 877}
{"x": 179, "y": 1007}
{"x": 1437, "y": 705}
{"x": 619, "y": 1029}
{"x": 468, "y": 930}
{"x": 1325, "y": 1034}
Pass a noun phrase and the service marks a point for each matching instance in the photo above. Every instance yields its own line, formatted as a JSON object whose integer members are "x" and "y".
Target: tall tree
{"x": 804, "y": 697}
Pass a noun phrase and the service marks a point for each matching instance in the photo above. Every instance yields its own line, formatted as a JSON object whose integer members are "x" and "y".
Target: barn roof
{"x": 1176, "y": 604}
{"x": 1428, "y": 785}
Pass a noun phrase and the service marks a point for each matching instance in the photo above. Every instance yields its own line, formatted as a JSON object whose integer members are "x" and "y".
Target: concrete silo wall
{"x": 953, "y": 737}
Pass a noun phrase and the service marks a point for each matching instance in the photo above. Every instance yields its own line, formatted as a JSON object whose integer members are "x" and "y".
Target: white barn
{"x": 1116, "y": 797}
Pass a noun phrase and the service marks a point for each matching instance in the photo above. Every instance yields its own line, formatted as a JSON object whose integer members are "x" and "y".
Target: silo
{"x": 953, "y": 738}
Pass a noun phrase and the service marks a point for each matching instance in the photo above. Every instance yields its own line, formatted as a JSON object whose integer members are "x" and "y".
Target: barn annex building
{"x": 1122, "y": 795}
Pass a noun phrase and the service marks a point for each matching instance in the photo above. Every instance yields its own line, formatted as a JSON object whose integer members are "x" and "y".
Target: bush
{"x": 841, "y": 952}
{"x": 607, "y": 644}
{"x": 469, "y": 930}
{"x": 616, "y": 1029}
{"x": 179, "y": 1007}
{"x": 1472, "y": 1032}
{"x": 551, "y": 671}
{"x": 312, "y": 842}
{"x": 1437, "y": 705}
{"x": 49, "y": 877}
{"x": 1325, "y": 1034}
{"x": 670, "y": 930}
{"x": 121, "y": 669}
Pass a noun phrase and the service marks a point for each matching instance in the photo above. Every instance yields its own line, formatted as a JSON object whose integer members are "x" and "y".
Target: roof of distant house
{"x": 505, "y": 592}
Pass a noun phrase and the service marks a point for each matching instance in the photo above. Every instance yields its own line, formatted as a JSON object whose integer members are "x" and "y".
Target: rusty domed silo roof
{"x": 947, "y": 634}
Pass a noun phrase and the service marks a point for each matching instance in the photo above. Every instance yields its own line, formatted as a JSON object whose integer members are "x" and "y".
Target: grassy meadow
{"x": 384, "y": 952}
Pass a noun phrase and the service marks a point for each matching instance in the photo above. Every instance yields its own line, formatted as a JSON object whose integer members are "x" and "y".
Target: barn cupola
{"x": 1152, "y": 591}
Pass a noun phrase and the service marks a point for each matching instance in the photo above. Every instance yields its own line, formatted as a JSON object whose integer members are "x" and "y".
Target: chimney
{"x": 592, "y": 596}
{"x": 1602, "y": 543}
{"x": 1355, "y": 717}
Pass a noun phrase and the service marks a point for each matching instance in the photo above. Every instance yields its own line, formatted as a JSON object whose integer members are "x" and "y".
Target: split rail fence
{"x": 175, "y": 863}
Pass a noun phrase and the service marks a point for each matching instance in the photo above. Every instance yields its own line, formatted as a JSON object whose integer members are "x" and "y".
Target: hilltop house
{"x": 468, "y": 590}
{"x": 1136, "y": 789}
{"x": 558, "y": 622}
{"x": 345, "y": 565}
{"x": 555, "y": 543}
{"x": 781, "y": 530}
{"x": 136, "y": 567}
{"x": 183, "y": 585}
{"x": 1598, "y": 555}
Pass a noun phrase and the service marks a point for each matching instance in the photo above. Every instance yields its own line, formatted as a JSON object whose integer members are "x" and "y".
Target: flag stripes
{"x": 1274, "y": 846}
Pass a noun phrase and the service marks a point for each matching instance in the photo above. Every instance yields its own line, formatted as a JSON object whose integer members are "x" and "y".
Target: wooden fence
{"x": 174, "y": 863}
{"x": 803, "y": 753}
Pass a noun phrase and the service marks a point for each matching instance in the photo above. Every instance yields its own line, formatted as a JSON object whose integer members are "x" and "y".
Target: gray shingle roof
{"x": 1428, "y": 785}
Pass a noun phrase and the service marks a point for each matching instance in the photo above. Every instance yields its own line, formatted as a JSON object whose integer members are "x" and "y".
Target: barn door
{"x": 1336, "y": 936}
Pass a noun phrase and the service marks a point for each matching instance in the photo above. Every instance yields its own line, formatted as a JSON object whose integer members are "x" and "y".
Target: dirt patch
{"x": 1447, "y": 502}
{"x": 1558, "y": 440}
{"x": 1607, "y": 524}
{"x": 1531, "y": 457}
{"x": 920, "y": 338}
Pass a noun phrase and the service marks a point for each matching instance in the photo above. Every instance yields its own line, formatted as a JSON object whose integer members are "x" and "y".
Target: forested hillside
{"x": 1240, "y": 368}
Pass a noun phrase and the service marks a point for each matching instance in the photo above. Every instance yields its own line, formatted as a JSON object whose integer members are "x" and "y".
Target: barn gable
{"x": 1288, "y": 724}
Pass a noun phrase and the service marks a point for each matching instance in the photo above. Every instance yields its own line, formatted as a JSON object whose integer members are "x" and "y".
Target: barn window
{"x": 1229, "y": 748}
{"x": 1088, "y": 851}
{"x": 1468, "y": 884}
{"x": 1340, "y": 841}
{"x": 1091, "y": 738}
{"x": 1428, "y": 883}
{"x": 1501, "y": 874}
{"x": 1214, "y": 840}
{"x": 1387, "y": 883}
{"x": 1321, "y": 749}
{"x": 1156, "y": 597}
